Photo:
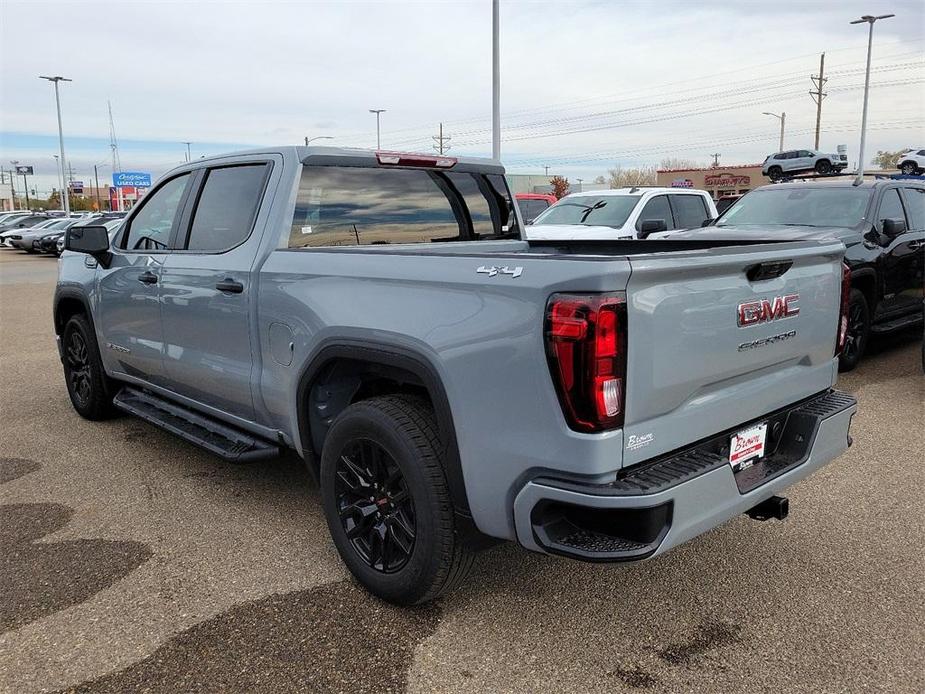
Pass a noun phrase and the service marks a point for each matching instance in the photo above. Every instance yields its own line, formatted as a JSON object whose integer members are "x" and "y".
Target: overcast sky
{"x": 584, "y": 85}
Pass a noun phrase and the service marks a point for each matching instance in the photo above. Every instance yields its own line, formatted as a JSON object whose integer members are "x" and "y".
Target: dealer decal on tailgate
{"x": 747, "y": 446}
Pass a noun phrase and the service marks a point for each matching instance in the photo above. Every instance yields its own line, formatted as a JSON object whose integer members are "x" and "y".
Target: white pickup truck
{"x": 622, "y": 213}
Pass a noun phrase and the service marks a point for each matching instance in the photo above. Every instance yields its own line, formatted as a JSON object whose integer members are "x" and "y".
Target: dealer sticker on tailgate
{"x": 747, "y": 446}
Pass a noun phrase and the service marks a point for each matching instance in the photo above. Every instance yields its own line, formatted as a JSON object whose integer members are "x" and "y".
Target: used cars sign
{"x": 131, "y": 178}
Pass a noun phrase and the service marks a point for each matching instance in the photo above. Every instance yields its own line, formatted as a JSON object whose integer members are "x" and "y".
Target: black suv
{"x": 881, "y": 223}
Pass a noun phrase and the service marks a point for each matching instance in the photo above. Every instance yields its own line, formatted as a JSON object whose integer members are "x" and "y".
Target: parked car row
{"x": 881, "y": 223}
{"x": 41, "y": 233}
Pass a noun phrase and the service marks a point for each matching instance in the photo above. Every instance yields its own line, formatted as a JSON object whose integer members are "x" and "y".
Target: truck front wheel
{"x": 87, "y": 384}
{"x": 386, "y": 500}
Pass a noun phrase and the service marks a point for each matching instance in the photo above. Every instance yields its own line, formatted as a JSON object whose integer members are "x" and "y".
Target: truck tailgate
{"x": 694, "y": 371}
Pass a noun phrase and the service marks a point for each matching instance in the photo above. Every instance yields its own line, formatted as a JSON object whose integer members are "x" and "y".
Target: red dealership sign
{"x": 725, "y": 180}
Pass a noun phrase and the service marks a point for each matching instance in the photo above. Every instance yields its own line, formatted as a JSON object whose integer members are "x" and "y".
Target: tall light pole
{"x": 377, "y": 111}
{"x": 60, "y": 172}
{"x": 782, "y": 117}
{"x": 495, "y": 80}
{"x": 188, "y": 157}
{"x": 870, "y": 40}
{"x": 56, "y": 79}
{"x": 327, "y": 137}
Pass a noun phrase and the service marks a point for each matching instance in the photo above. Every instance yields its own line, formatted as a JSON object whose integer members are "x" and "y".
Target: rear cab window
{"x": 690, "y": 211}
{"x": 227, "y": 206}
{"x": 362, "y": 206}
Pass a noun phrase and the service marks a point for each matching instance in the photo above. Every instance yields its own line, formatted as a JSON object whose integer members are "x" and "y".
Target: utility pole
{"x": 579, "y": 183}
{"x": 12, "y": 184}
{"x": 818, "y": 95}
{"x": 441, "y": 141}
{"x": 25, "y": 187}
{"x": 96, "y": 178}
{"x": 547, "y": 170}
{"x": 495, "y": 80}
{"x": 716, "y": 157}
{"x": 187, "y": 150}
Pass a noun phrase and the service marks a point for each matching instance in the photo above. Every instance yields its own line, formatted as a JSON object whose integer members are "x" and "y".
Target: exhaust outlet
{"x": 776, "y": 507}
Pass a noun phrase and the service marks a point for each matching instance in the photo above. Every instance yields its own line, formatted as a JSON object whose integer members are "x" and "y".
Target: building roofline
{"x": 712, "y": 168}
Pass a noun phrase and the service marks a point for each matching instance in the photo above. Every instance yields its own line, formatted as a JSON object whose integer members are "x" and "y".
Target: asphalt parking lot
{"x": 132, "y": 561}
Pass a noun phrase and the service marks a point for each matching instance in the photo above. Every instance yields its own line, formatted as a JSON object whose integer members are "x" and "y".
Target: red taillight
{"x": 843, "y": 314}
{"x": 586, "y": 347}
{"x": 414, "y": 159}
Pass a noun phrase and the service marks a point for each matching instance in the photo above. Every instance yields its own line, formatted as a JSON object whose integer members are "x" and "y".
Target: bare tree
{"x": 676, "y": 163}
{"x": 623, "y": 178}
{"x": 887, "y": 160}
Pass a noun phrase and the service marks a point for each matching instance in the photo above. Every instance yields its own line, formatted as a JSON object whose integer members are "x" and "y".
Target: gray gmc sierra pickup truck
{"x": 447, "y": 381}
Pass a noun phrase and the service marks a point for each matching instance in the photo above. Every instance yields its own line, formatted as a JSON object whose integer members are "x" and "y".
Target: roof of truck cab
{"x": 843, "y": 182}
{"x": 636, "y": 190}
{"x": 352, "y": 155}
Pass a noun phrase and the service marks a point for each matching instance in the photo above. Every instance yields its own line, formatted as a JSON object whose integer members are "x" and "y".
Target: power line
{"x": 573, "y": 104}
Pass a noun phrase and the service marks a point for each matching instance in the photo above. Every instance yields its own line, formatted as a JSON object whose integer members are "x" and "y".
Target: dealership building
{"x": 716, "y": 180}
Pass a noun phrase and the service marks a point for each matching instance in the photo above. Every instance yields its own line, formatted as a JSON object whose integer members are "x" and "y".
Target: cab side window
{"x": 657, "y": 208}
{"x": 891, "y": 206}
{"x": 227, "y": 207}
{"x": 150, "y": 228}
{"x": 915, "y": 206}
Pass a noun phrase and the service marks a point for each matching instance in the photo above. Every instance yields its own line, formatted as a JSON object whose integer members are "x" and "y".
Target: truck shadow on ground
{"x": 40, "y": 579}
{"x": 331, "y": 638}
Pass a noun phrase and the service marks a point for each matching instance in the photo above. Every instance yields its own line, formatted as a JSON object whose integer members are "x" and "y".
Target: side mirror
{"x": 651, "y": 226}
{"x": 893, "y": 227}
{"x": 92, "y": 240}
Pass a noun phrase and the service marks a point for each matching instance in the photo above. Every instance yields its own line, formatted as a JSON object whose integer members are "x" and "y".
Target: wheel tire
{"x": 88, "y": 386}
{"x": 775, "y": 173}
{"x": 858, "y": 331}
{"x": 403, "y": 428}
{"x": 823, "y": 167}
{"x": 908, "y": 168}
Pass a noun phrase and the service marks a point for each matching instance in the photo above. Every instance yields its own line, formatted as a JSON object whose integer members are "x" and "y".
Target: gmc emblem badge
{"x": 767, "y": 310}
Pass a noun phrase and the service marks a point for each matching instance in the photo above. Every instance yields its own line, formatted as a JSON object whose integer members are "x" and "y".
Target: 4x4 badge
{"x": 501, "y": 270}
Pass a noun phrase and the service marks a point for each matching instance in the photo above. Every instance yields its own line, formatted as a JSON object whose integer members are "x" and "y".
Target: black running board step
{"x": 216, "y": 437}
{"x": 897, "y": 324}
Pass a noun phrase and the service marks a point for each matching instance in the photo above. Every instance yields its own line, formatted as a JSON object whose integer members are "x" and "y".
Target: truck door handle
{"x": 230, "y": 285}
{"x": 916, "y": 245}
{"x": 147, "y": 277}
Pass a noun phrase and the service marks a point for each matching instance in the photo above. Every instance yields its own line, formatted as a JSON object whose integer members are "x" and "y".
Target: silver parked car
{"x": 23, "y": 240}
{"x": 802, "y": 161}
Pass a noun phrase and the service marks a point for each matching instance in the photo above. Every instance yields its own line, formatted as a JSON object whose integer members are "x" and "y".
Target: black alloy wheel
{"x": 908, "y": 168}
{"x": 857, "y": 332}
{"x": 376, "y": 509}
{"x": 775, "y": 173}
{"x": 823, "y": 167}
{"x": 77, "y": 367}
